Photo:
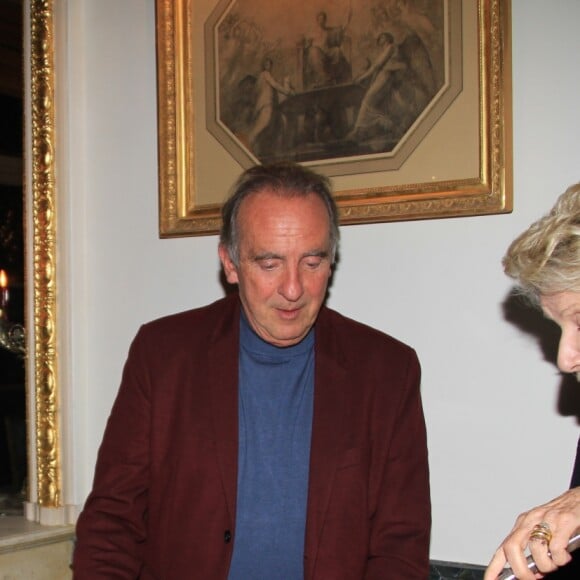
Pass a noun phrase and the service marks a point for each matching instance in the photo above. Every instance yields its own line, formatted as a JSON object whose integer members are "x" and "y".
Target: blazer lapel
{"x": 324, "y": 451}
{"x": 223, "y": 383}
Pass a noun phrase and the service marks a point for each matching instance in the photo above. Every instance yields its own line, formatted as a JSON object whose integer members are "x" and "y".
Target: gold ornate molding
{"x": 42, "y": 121}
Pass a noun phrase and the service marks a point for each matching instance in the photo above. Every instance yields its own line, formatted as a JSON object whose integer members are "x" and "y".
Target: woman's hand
{"x": 562, "y": 515}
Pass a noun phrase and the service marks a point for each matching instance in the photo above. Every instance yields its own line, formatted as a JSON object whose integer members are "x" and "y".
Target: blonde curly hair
{"x": 545, "y": 259}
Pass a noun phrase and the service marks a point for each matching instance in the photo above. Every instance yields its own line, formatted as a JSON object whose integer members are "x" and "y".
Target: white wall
{"x": 437, "y": 285}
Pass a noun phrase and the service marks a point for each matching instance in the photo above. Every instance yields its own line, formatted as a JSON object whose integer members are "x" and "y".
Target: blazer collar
{"x": 329, "y": 413}
{"x": 223, "y": 384}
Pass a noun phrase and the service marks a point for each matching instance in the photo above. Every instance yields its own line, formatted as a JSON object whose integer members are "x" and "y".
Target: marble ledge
{"x": 17, "y": 533}
{"x": 455, "y": 571}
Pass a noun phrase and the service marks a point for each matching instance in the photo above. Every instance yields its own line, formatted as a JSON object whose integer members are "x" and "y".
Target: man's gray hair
{"x": 285, "y": 179}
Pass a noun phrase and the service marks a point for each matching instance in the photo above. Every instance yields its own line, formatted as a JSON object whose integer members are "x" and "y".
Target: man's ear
{"x": 230, "y": 270}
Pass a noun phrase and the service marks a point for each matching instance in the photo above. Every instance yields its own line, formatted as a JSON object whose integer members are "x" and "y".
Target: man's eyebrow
{"x": 266, "y": 256}
{"x": 273, "y": 256}
{"x": 316, "y": 254}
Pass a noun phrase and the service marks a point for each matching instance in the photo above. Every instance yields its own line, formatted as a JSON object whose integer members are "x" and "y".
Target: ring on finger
{"x": 541, "y": 532}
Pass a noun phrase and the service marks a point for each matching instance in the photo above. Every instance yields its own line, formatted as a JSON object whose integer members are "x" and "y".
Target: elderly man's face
{"x": 284, "y": 264}
{"x": 564, "y": 309}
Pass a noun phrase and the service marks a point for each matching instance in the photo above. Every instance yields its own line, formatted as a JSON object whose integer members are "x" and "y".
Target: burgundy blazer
{"x": 163, "y": 503}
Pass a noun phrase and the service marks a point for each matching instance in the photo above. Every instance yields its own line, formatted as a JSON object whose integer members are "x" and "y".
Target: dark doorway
{"x": 12, "y": 372}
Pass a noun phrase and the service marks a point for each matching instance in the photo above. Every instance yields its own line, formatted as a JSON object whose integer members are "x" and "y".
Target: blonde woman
{"x": 545, "y": 262}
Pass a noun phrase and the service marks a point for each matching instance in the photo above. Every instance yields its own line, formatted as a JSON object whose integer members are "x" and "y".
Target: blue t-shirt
{"x": 276, "y": 387}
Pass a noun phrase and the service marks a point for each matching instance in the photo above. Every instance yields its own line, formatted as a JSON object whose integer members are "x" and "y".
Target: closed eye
{"x": 313, "y": 263}
{"x": 313, "y": 260}
{"x": 268, "y": 264}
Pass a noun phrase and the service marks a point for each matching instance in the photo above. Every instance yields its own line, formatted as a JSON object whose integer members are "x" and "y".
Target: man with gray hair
{"x": 264, "y": 436}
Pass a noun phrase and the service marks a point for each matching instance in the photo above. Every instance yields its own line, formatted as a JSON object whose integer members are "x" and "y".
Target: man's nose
{"x": 291, "y": 286}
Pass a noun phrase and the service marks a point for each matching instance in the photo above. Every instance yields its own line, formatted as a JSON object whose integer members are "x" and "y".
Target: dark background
{"x": 12, "y": 375}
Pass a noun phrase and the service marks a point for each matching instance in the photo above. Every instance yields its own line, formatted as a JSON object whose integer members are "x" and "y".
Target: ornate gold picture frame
{"x": 453, "y": 158}
{"x": 45, "y": 477}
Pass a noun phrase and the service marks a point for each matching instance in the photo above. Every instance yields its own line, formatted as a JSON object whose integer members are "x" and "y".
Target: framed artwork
{"x": 404, "y": 104}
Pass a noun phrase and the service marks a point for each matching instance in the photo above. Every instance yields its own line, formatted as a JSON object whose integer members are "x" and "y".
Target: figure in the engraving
{"x": 379, "y": 73}
{"x": 267, "y": 100}
{"x": 326, "y": 63}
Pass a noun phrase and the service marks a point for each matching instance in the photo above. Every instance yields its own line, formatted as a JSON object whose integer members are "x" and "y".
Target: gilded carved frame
{"x": 486, "y": 190}
{"x": 43, "y": 385}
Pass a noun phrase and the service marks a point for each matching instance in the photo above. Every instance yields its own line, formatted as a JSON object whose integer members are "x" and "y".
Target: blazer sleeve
{"x": 111, "y": 529}
{"x": 401, "y": 522}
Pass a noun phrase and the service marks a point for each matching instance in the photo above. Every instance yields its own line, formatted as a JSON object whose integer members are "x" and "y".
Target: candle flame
{"x": 3, "y": 279}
